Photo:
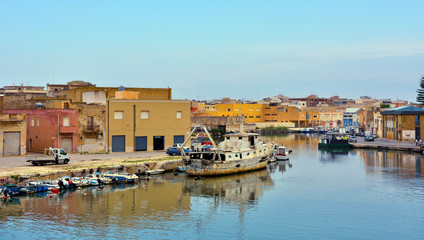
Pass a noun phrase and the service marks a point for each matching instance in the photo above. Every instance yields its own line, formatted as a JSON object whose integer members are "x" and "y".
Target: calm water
{"x": 316, "y": 195}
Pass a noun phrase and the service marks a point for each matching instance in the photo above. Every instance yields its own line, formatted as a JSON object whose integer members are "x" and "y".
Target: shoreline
{"x": 129, "y": 164}
{"x": 387, "y": 146}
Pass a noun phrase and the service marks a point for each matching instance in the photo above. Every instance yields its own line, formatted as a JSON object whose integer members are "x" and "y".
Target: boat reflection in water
{"x": 245, "y": 188}
{"x": 280, "y": 166}
{"x": 335, "y": 155}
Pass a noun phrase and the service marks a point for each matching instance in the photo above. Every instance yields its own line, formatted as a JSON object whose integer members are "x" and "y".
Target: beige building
{"x": 140, "y": 125}
{"x": 12, "y": 134}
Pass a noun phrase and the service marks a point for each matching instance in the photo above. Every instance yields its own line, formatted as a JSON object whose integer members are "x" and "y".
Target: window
{"x": 38, "y": 122}
{"x": 251, "y": 110}
{"x": 32, "y": 122}
{"x": 118, "y": 115}
{"x": 66, "y": 121}
{"x": 229, "y": 109}
{"x": 90, "y": 122}
{"x": 145, "y": 115}
{"x": 179, "y": 115}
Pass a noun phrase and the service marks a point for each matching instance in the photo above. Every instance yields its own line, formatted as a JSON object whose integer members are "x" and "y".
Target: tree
{"x": 420, "y": 92}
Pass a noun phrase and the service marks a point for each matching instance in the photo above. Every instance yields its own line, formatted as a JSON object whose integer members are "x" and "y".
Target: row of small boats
{"x": 67, "y": 182}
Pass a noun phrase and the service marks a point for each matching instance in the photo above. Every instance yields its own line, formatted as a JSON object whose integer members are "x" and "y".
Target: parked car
{"x": 175, "y": 151}
{"x": 352, "y": 139}
{"x": 369, "y": 138}
{"x": 206, "y": 148}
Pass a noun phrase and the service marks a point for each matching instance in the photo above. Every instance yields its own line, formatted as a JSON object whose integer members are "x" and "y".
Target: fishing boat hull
{"x": 202, "y": 167}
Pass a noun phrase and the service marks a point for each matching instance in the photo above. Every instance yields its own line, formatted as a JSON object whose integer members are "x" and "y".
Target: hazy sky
{"x": 214, "y": 49}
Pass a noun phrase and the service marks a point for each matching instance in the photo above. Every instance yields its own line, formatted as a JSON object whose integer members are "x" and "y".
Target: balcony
{"x": 68, "y": 129}
{"x": 92, "y": 130}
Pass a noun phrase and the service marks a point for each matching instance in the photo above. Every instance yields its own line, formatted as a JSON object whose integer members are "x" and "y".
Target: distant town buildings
{"x": 82, "y": 117}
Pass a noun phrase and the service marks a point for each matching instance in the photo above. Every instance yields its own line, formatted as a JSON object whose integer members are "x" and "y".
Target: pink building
{"x": 50, "y": 128}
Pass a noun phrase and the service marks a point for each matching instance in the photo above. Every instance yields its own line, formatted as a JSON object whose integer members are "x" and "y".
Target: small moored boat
{"x": 335, "y": 140}
{"x": 121, "y": 176}
{"x": 155, "y": 171}
{"x": 281, "y": 153}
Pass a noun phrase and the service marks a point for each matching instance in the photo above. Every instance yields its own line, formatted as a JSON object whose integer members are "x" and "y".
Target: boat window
{"x": 248, "y": 154}
{"x": 240, "y": 138}
{"x": 208, "y": 156}
{"x": 236, "y": 155}
{"x": 222, "y": 157}
{"x": 229, "y": 156}
{"x": 228, "y": 138}
{"x": 195, "y": 156}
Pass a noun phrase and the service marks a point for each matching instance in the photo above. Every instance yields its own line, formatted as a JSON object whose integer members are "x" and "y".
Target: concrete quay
{"x": 387, "y": 144}
{"x": 83, "y": 164}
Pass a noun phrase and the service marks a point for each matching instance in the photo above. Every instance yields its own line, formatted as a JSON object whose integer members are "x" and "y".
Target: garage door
{"x": 140, "y": 143}
{"x": 66, "y": 143}
{"x": 12, "y": 142}
{"x": 158, "y": 143}
{"x": 179, "y": 139}
{"x": 118, "y": 143}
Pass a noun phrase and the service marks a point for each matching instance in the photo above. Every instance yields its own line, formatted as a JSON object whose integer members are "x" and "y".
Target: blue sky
{"x": 214, "y": 49}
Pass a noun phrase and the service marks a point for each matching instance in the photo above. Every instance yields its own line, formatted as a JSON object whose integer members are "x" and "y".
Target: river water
{"x": 357, "y": 194}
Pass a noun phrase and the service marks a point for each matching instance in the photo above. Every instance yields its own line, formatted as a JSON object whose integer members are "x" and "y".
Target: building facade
{"x": 250, "y": 111}
{"x": 12, "y": 134}
{"x": 403, "y": 123}
{"x": 140, "y": 125}
{"x": 50, "y": 128}
{"x": 353, "y": 118}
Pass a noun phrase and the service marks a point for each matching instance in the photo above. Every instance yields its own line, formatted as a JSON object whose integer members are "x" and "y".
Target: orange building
{"x": 277, "y": 113}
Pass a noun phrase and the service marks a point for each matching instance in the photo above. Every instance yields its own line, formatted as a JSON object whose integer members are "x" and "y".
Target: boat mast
{"x": 191, "y": 134}
{"x": 241, "y": 119}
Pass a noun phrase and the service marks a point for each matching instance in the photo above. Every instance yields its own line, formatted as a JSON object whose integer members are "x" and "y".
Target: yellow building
{"x": 251, "y": 112}
{"x": 403, "y": 123}
{"x": 12, "y": 134}
{"x": 92, "y": 94}
{"x": 137, "y": 125}
{"x": 290, "y": 114}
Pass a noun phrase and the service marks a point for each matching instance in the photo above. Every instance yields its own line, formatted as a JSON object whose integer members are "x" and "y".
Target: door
{"x": 140, "y": 143}
{"x": 12, "y": 143}
{"x": 158, "y": 143}
{"x": 66, "y": 143}
{"x": 118, "y": 143}
{"x": 178, "y": 139}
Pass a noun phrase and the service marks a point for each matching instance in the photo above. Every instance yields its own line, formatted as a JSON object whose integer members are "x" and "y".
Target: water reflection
{"x": 296, "y": 141}
{"x": 335, "y": 155}
{"x": 379, "y": 195}
{"x": 398, "y": 164}
{"x": 243, "y": 188}
{"x": 280, "y": 166}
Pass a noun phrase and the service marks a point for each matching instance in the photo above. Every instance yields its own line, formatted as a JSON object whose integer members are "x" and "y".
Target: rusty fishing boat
{"x": 239, "y": 152}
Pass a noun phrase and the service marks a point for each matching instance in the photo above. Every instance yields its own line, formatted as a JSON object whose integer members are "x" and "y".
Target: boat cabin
{"x": 240, "y": 141}
{"x": 335, "y": 138}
